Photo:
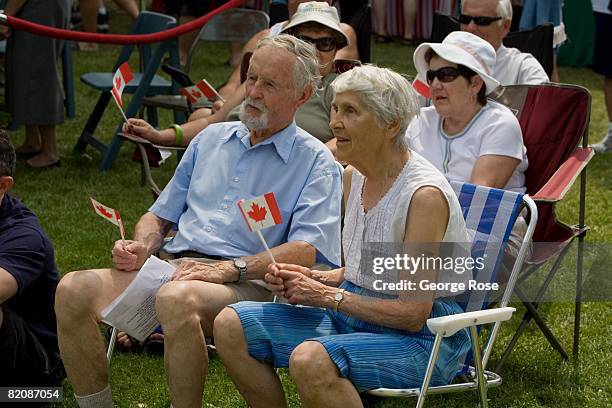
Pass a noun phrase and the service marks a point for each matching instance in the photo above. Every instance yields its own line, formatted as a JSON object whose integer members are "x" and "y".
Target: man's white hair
{"x": 306, "y": 68}
{"x": 388, "y": 95}
{"x": 504, "y": 10}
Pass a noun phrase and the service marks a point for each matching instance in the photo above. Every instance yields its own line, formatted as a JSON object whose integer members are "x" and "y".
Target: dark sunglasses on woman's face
{"x": 478, "y": 20}
{"x": 445, "y": 74}
{"x": 325, "y": 44}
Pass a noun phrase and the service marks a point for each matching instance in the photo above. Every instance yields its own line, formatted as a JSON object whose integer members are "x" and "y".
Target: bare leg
{"x": 48, "y": 148}
{"x": 410, "y": 11}
{"x": 257, "y": 382}
{"x": 186, "y": 40}
{"x": 605, "y": 144}
{"x": 32, "y": 141}
{"x": 318, "y": 381}
{"x": 89, "y": 14}
{"x": 379, "y": 8}
{"x": 79, "y": 299}
{"x": 235, "y": 53}
{"x": 187, "y": 310}
{"x": 554, "y": 76}
{"x": 129, "y": 6}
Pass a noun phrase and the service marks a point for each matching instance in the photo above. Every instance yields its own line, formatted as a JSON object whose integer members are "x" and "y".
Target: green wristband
{"x": 178, "y": 131}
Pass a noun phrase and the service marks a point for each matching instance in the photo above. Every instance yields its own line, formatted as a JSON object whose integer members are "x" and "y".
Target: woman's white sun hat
{"x": 461, "y": 48}
{"x": 318, "y": 12}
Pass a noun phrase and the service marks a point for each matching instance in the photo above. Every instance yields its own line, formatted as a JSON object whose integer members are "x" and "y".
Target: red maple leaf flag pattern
{"x": 108, "y": 213}
{"x": 260, "y": 212}
{"x": 122, "y": 77}
{"x": 199, "y": 91}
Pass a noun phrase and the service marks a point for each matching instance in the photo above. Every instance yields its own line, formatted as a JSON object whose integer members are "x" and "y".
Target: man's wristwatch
{"x": 241, "y": 265}
{"x": 338, "y": 298}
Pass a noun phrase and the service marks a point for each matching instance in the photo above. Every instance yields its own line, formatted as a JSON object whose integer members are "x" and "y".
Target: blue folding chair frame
{"x": 491, "y": 214}
{"x": 144, "y": 83}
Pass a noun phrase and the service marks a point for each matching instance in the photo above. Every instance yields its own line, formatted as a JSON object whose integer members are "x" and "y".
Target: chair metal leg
{"x": 579, "y": 266}
{"x": 482, "y": 385}
{"x": 429, "y": 372}
{"x": 531, "y": 313}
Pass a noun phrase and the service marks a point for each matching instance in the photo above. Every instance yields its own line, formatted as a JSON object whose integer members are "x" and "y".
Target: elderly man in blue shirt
{"x": 264, "y": 152}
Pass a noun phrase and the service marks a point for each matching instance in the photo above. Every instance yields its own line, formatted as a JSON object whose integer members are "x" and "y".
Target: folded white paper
{"x": 133, "y": 311}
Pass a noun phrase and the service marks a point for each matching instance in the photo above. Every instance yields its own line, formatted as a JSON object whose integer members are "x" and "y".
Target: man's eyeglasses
{"x": 446, "y": 74}
{"x": 478, "y": 20}
{"x": 325, "y": 44}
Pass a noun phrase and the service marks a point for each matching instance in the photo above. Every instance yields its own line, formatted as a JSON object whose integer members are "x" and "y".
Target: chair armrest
{"x": 133, "y": 138}
{"x": 451, "y": 324}
{"x": 559, "y": 184}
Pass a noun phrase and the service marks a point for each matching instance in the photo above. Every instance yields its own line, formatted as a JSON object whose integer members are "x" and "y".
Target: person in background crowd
{"x": 349, "y": 51}
{"x": 29, "y": 355}
{"x": 314, "y": 22}
{"x": 34, "y": 93}
{"x": 409, "y": 8}
{"x": 536, "y": 12}
{"x": 491, "y": 21}
{"x": 95, "y": 17}
{"x": 602, "y": 62}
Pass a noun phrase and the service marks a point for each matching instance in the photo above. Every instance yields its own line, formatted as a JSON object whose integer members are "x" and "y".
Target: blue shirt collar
{"x": 282, "y": 141}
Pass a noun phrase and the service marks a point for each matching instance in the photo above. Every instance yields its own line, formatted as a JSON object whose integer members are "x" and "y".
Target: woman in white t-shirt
{"x": 465, "y": 136}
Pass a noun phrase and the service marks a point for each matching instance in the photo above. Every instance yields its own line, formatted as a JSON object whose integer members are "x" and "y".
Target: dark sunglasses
{"x": 478, "y": 20}
{"x": 325, "y": 44}
{"x": 447, "y": 74}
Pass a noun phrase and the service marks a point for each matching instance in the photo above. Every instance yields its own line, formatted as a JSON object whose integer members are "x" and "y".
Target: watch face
{"x": 338, "y": 296}
{"x": 240, "y": 263}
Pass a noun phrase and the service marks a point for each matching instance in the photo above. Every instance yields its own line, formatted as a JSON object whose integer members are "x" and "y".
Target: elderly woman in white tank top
{"x": 464, "y": 135}
{"x": 348, "y": 331}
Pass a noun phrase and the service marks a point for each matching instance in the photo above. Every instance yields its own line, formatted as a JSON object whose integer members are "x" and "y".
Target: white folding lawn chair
{"x": 491, "y": 213}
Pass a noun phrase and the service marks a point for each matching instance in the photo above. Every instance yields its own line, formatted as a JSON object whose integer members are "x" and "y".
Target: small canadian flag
{"x": 199, "y": 91}
{"x": 420, "y": 85}
{"x": 260, "y": 212}
{"x": 121, "y": 78}
{"x": 109, "y": 214}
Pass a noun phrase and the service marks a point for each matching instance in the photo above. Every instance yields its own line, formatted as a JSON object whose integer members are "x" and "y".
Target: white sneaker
{"x": 605, "y": 145}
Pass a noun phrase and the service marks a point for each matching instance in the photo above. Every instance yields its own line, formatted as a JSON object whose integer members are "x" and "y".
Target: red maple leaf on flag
{"x": 105, "y": 213}
{"x": 118, "y": 83}
{"x": 257, "y": 213}
{"x": 196, "y": 94}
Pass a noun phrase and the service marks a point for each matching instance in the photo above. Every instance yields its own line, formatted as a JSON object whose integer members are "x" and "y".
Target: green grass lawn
{"x": 535, "y": 376}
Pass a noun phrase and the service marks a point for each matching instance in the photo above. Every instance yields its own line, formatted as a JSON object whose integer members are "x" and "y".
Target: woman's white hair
{"x": 306, "y": 67}
{"x": 388, "y": 95}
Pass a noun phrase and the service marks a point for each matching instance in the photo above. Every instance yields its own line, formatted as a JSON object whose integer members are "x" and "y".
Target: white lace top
{"x": 386, "y": 221}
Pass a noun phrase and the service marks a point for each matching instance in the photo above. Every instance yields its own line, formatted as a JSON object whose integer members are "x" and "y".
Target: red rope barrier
{"x": 121, "y": 39}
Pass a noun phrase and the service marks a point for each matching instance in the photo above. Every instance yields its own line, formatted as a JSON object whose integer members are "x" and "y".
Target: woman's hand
{"x": 300, "y": 289}
{"x": 275, "y": 283}
{"x": 141, "y": 128}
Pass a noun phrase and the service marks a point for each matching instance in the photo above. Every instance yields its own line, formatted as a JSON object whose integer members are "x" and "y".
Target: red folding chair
{"x": 554, "y": 119}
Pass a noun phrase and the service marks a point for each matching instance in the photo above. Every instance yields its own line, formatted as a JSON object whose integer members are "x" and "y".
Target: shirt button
{"x": 224, "y": 206}
{"x": 236, "y": 179}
